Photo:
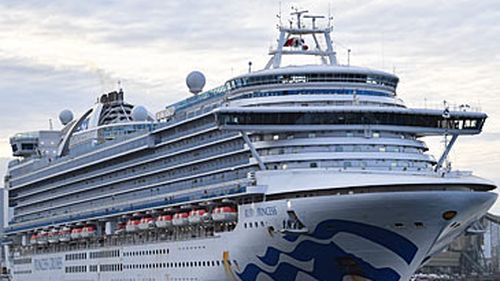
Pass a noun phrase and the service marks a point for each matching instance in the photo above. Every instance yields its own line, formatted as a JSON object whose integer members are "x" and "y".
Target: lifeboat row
{"x": 180, "y": 218}
{"x": 64, "y": 234}
{"x": 177, "y": 218}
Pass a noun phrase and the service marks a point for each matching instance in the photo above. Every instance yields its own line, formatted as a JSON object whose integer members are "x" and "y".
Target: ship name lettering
{"x": 48, "y": 264}
{"x": 267, "y": 211}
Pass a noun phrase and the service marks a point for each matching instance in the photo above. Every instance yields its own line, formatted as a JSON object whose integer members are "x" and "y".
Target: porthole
{"x": 399, "y": 225}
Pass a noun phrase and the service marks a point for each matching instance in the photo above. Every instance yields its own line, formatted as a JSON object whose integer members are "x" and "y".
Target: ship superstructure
{"x": 311, "y": 172}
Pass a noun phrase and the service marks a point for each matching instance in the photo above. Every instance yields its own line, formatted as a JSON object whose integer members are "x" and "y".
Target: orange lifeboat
{"x": 42, "y": 237}
{"x": 132, "y": 224}
{"x": 164, "y": 221}
{"x": 199, "y": 216}
{"x": 76, "y": 233}
{"x": 181, "y": 218}
{"x": 53, "y": 236}
{"x": 33, "y": 239}
{"x": 65, "y": 234}
{"x": 120, "y": 228}
{"x": 224, "y": 214}
{"x": 146, "y": 223}
{"x": 88, "y": 231}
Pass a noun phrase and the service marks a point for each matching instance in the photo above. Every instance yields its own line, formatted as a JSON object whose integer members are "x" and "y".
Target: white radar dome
{"x": 65, "y": 117}
{"x": 139, "y": 113}
{"x": 195, "y": 82}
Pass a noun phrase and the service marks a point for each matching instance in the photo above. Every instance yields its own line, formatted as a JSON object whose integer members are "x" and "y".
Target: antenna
{"x": 313, "y": 18}
{"x": 348, "y": 57}
{"x": 279, "y": 12}
{"x": 330, "y": 17}
{"x": 329, "y": 10}
{"x": 249, "y": 66}
{"x": 382, "y": 47}
{"x": 298, "y": 14}
{"x": 51, "y": 126}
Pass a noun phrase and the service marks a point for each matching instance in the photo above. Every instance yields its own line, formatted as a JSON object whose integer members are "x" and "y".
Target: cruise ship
{"x": 297, "y": 172}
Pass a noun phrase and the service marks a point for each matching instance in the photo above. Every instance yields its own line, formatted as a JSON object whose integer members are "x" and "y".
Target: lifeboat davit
{"x": 224, "y": 214}
{"x": 33, "y": 239}
{"x": 146, "y": 223}
{"x": 199, "y": 216}
{"x": 181, "y": 219}
{"x": 65, "y": 234}
{"x": 42, "y": 237}
{"x": 88, "y": 231}
{"x": 76, "y": 233}
{"x": 132, "y": 225}
{"x": 53, "y": 236}
{"x": 164, "y": 221}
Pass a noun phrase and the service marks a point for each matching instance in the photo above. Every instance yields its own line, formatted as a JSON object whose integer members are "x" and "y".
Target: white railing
{"x": 444, "y": 104}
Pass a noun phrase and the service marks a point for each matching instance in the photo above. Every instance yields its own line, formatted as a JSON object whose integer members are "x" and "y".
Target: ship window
{"x": 327, "y": 118}
{"x": 313, "y": 165}
{"x": 27, "y": 146}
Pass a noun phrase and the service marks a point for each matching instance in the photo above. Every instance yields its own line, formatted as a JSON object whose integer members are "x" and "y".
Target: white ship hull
{"x": 377, "y": 236}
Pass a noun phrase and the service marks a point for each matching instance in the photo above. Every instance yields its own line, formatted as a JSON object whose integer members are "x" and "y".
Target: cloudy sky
{"x": 63, "y": 54}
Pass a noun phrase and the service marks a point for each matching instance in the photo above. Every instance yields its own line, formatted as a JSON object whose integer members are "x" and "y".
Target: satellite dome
{"x": 139, "y": 113}
{"x": 65, "y": 117}
{"x": 195, "y": 82}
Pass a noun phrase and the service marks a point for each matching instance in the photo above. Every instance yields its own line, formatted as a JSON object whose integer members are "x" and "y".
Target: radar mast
{"x": 291, "y": 42}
